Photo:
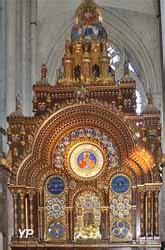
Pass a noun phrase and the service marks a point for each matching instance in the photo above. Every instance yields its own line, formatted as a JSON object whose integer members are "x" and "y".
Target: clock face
{"x": 55, "y": 185}
{"x": 120, "y": 184}
{"x": 86, "y": 160}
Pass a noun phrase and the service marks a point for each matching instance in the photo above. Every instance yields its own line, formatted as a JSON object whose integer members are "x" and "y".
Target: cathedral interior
{"x": 82, "y": 123}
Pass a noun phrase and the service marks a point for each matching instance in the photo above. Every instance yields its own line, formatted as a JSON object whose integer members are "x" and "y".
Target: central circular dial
{"x": 86, "y": 160}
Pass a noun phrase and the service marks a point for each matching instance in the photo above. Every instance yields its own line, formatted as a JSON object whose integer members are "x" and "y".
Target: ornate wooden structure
{"x": 85, "y": 168}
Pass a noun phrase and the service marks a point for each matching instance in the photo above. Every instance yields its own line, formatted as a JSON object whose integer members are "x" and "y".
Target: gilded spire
{"x": 86, "y": 60}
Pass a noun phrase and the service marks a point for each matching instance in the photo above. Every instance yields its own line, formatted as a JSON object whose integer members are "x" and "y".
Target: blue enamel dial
{"x": 56, "y": 230}
{"x": 120, "y": 229}
{"x": 55, "y": 185}
{"x": 120, "y": 184}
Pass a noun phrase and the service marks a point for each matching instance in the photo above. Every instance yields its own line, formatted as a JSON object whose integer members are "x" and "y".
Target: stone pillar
{"x": 162, "y": 9}
{"x": 10, "y": 213}
{"x": 162, "y": 205}
{"x": 3, "y": 30}
{"x": 11, "y": 57}
{"x": 26, "y": 58}
{"x": 33, "y": 40}
{"x": 21, "y": 53}
{"x": 3, "y": 207}
{"x": 1, "y": 241}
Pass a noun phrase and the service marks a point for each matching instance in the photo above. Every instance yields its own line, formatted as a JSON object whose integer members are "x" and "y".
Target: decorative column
{"x": 134, "y": 213}
{"x": 107, "y": 223}
{"x": 86, "y": 65}
{"x": 142, "y": 213}
{"x": 68, "y": 62}
{"x": 106, "y": 189}
{"x": 15, "y": 213}
{"x": 22, "y": 210}
{"x": 156, "y": 214}
{"x": 40, "y": 224}
{"x": 104, "y": 61}
{"x": 71, "y": 223}
{"x": 31, "y": 195}
{"x": 67, "y": 210}
{"x": 67, "y": 223}
{"x": 106, "y": 213}
{"x": 148, "y": 215}
{"x": 103, "y": 224}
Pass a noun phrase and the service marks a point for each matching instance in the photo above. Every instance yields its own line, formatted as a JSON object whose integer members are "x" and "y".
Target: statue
{"x": 77, "y": 72}
{"x": 18, "y": 102}
{"x": 96, "y": 71}
{"x": 43, "y": 72}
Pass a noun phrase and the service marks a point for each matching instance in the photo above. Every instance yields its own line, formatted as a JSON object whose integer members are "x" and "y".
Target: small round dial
{"x": 120, "y": 229}
{"x": 56, "y": 230}
{"x": 120, "y": 184}
{"x": 55, "y": 185}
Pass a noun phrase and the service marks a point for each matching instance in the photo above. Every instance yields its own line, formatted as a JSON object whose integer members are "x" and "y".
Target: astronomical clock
{"x": 84, "y": 170}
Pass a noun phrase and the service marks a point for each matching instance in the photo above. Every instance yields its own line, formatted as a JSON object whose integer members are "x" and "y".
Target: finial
{"x": 43, "y": 72}
{"x": 149, "y": 97}
{"x": 104, "y": 45}
{"x": 18, "y": 111}
{"x": 18, "y": 102}
{"x": 67, "y": 46}
{"x": 126, "y": 68}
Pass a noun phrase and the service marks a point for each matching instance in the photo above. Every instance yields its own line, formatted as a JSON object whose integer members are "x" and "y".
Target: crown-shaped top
{"x": 88, "y": 22}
